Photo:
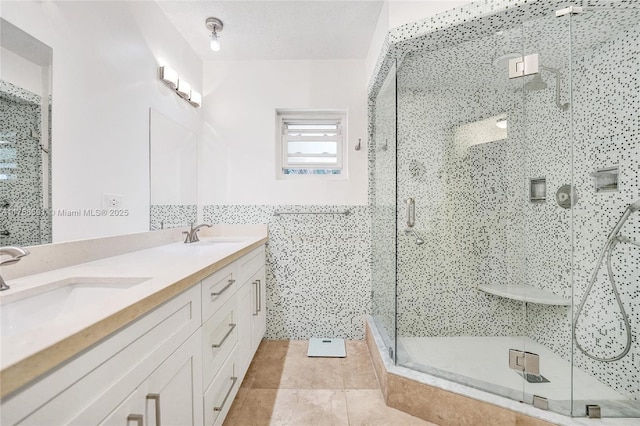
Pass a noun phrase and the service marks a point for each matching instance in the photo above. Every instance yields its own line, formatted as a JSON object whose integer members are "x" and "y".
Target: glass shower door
{"x": 549, "y": 200}
{"x": 460, "y": 197}
{"x": 582, "y": 153}
{"x": 605, "y": 97}
{"x": 383, "y": 215}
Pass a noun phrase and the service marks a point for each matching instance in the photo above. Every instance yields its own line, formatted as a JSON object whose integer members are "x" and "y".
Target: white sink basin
{"x": 25, "y": 309}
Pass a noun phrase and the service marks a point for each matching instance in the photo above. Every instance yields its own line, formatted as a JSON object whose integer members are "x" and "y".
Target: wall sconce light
{"x": 169, "y": 76}
{"x": 182, "y": 88}
{"x": 195, "y": 99}
{"x": 215, "y": 26}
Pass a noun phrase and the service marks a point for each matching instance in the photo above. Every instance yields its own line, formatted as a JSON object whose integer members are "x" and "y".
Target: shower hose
{"x": 613, "y": 239}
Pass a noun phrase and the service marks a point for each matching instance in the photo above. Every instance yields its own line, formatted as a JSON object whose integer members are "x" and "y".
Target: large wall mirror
{"x": 25, "y": 138}
{"x": 173, "y": 164}
{"x": 81, "y": 169}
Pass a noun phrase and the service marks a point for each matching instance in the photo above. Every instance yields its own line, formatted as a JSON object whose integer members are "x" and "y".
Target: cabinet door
{"x": 170, "y": 396}
{"x": 129, "y": 413}
{"x": 174, "y": 390}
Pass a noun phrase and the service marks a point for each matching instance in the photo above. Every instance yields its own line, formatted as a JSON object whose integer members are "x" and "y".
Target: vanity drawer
{"x": 219, "y": 338}
{"x": 217, "y": 288}
{"x": 219, "y": 396}
{"x": 250, "y": 263}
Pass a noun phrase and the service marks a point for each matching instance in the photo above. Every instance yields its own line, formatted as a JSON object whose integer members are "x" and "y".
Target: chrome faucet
{"x": 16, "y": 254}
{"x": 192, "y": 235}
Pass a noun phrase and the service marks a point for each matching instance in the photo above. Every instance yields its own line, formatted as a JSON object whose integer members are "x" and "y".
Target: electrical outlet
{"x": 111, "y": 201}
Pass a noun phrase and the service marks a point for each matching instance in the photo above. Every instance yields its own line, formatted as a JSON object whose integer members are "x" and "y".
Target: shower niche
{"x": 538, "y": 190}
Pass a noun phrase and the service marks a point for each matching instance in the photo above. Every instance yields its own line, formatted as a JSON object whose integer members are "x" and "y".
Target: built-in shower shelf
{"x": 525, "y": 293}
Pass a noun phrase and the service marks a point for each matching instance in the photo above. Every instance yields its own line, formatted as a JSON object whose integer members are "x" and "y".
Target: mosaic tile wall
{"x": 472, "y": 199}
{"x": 24, "y": 219}
{"x": 163, "y": 216}
{"x": 318, "y": 268}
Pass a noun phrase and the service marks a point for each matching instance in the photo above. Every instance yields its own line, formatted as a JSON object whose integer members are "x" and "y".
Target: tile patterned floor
{"x": 285, "y": 387}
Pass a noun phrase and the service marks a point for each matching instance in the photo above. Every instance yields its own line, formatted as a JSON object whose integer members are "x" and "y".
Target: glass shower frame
{"x": 556, "y": 54}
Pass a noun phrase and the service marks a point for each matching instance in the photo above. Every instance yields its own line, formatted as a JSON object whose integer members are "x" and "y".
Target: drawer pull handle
{"x": 255, "y": 314}
{"x": 259, "y": 295}
{"x": 218, "y": 293}
{"x": 155, "y": 397}
{"x": 135, "y": 418}
{"x": 231, "y": 327}
{"x": 224, "y": 401}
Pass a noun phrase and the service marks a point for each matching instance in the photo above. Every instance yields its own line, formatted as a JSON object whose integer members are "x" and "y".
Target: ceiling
{"x": 278, "y": 30}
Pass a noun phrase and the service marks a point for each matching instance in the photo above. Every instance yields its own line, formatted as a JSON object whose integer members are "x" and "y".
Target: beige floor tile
{"x": 285, "y": 365}
{"x": 267, "y": 367}
{"x": 290, "y": 407}
{"x": 357, "y": 367}
{"x": 366, "y": 407}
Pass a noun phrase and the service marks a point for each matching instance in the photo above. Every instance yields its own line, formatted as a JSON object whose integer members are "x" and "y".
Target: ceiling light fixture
{"x": 215, "y": 26}
{"x": 502, "y": 123}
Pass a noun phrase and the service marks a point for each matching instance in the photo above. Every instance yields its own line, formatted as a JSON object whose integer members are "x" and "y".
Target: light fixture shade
{"x": 215, "y": 26}
{"x": 502, "y": 123}
{"x": 184, "y": 89}
{"x": 169, "y": 76}
{"x": 214, "y": 43}
{"x": 195, "y": 99}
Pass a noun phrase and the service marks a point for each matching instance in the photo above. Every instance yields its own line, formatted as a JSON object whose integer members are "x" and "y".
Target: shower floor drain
{"x": 534, "y": 378}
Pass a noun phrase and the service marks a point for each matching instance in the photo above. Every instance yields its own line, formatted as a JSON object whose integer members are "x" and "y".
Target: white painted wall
{"x": 402, "y": 12}
{"x": 20, "y": 72}
{"x": 105, "y": 63}
{"x": 239, "y": 112}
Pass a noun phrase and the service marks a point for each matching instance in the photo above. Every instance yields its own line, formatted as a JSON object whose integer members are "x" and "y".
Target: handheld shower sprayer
{"x": 612, "y": 240}
{"x": 634, "y": 206}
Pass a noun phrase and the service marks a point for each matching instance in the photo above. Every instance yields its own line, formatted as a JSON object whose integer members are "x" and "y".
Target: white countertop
{"x": 170, "y": 269}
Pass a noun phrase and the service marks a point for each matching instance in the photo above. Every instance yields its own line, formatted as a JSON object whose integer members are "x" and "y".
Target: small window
{"x": 311, "y": 143}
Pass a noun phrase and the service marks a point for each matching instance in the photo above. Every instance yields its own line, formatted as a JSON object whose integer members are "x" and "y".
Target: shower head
{"x": 535, "y": 84}
{"x": 634, "y": 206}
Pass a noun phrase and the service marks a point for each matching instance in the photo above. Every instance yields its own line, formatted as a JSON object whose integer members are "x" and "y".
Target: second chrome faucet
{"x": 192, "y": 234}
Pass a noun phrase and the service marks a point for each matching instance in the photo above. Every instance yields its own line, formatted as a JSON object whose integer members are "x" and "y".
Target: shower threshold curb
{"x": 448, "y": 403}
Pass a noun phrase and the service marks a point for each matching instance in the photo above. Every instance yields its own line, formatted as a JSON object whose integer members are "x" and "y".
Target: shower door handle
{"x": 411, "y": 212}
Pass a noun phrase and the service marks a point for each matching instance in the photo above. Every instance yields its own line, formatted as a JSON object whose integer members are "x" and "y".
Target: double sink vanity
{"x": 135, "y": 330}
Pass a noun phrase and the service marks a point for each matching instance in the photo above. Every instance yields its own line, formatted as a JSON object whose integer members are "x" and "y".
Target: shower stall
{"x": 505, "y": 191}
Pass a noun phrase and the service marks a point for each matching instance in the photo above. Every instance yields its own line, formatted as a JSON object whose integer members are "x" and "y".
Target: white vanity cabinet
{"x": 156, "y": 354}
{"x": 179, "y": 364}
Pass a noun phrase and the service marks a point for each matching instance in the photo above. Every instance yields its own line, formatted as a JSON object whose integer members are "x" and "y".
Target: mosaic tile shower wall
{"x": 23, "y": 220}
{"x": 318, "y": 268}
{"x": 472, "y": 199}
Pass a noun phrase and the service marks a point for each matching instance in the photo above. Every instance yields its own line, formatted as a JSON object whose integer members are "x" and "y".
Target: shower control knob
{"x": 566, "y": 196}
